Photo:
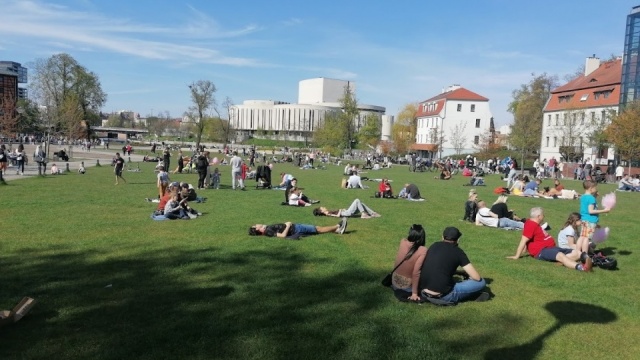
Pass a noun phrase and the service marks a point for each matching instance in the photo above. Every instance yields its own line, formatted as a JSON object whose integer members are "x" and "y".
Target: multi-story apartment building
{"x": 453, "y": 122}
{"x": 578, "y": 110}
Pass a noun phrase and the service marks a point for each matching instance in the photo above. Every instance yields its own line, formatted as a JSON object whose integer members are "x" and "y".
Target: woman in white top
{"x": 295, "y": 198}
{"x": 567, "y": 238}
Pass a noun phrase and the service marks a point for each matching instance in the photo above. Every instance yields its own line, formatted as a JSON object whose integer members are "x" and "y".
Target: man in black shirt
{"x": 119, "y": 165}
{"x": 295, "y": 231}
{"x": 442, "y": 260}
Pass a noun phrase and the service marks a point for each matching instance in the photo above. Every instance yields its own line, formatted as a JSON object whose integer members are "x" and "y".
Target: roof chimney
{"x": 591, "y": 64}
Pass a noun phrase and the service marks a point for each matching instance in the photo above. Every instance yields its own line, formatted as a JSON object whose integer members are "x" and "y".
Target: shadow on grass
{"x": 208, "y": 303}
{"x": 566, "y": 313}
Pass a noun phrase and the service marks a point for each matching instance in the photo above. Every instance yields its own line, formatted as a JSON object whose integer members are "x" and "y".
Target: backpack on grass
{"x": 604, "y": 262}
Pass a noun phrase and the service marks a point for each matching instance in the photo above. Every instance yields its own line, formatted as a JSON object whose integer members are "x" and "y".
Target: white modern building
{"x": 577, "y": 109}
{"x": 316, "y": 98}
{"x": 452, "y": 122}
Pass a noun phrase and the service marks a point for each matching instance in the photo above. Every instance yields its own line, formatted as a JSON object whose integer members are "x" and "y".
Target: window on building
{"x": 564, "y": 119}
{"x": 473, "y": 107}
{"x": 555, "y": 141}
{"x": 593, "y": 117}
{"x": 604, "y": 115}
{"x": 584, "y": 97}
{"x": 582, "y": 116}
{"x": 573, "y": 119}
{"x": 549, "y": 118}
{"x": 547, "y": 141}
{"x": 476, "y": 139}
{"x": 557, "y": 119}
{"x": 459, "y": 107}
{"x": 477, "y": 123}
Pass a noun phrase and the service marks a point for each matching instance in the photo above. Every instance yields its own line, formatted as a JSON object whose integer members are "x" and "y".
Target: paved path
{"x": 89, "y": 158}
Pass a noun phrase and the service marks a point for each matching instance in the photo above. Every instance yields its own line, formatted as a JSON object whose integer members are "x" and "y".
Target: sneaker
{"x": 315, "y": 201}
{"x": 199, "y": 214}
{"x": 545, "y": 226}
{"x": 376, "y": 215}
{"x": 343, "y": 226}
{"x": 191, "y": 215}
{"x": 365, "y": 216}
{"x": 484, "y": 296}
{"x": 588, "y": 265}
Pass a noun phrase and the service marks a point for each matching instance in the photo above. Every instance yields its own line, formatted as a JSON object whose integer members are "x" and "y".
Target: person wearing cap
{"x": 440, "y": 264}
{"x": 542, "y": 246}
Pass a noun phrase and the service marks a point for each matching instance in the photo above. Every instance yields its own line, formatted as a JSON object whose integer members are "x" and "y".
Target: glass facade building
{"x": 631, "y": 60}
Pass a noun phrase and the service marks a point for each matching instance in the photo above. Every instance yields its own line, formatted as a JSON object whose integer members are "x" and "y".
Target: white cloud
{"x": 57, "y": 25}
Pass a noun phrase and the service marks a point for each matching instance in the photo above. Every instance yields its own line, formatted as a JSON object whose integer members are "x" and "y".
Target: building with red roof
{"x": 578, "y": 108}
{"x": 452, "y": 122}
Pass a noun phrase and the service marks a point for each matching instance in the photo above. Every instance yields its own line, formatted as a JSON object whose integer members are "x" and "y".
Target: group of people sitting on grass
{"x": 174, "y": 203}
{"x": 523, "y": 186}
{"x": 629, "y": 183}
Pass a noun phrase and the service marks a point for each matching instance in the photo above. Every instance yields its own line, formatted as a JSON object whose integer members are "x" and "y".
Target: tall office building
{"x": 11, "y": 74}
{"x": 631, "y": 59}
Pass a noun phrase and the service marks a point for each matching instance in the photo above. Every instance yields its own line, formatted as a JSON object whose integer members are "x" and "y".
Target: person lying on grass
{"x": 356, "y": 207}
{"x": 485, "y": 217}
{"x": 295, "y": 231}
{"x": 542, "y": 246}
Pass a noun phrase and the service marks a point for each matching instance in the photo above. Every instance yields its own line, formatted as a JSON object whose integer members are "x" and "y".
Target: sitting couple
{"x": 410, "y": 192}
{"x": 356, "y": 207}
{"x": 428, "y": 275}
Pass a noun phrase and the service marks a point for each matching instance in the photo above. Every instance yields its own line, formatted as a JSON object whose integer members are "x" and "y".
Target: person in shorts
{"x": 119, "y": 166}
{"x": 295, "y": 231}
{"x": 589, "y": 212}
{"x": 542, "y": 246}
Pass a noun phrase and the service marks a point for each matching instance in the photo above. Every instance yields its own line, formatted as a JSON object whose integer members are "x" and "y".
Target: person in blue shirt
{"x": 589, "y": 212}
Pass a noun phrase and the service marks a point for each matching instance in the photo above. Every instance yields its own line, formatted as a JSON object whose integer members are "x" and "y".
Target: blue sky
{"x": 146, "y": 52}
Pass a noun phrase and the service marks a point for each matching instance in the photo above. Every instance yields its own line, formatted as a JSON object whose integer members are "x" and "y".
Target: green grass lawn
{"x": 113, "y": 284}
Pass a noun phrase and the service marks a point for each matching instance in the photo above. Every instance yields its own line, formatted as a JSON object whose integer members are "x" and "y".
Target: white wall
{"x": 553, "y": 132}
{"x": 447, "y": 121}
{"x": 322, "y": 90}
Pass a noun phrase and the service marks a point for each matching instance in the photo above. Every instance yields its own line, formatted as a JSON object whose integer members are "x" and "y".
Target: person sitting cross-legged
{"x": 443, "y": 258}
{"x": 542, "y": 246}
{"x": 356, "y": 207}
{"x": 410, "y": 192}
{"x": 295, "y": 231}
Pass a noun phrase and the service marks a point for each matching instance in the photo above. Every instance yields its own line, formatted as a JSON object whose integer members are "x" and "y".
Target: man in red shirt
{"x": 542, "y": 246}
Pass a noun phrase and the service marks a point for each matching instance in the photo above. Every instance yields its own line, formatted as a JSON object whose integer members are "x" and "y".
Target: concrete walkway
{"x": 89, "y": 158}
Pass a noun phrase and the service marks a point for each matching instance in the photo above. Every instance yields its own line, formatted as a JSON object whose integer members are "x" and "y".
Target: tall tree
{"x": 486, "y": 146}
{"x": 596, "y": 134}
{"x": 57, "y": 79}
{"x": 624, "y": 132}
{"x": 370, "y": 132}
{"x": 328, "y": 135}
{"x": 527, "y": 105}
{"x": 158, "y": 125}
{"x": 403, "y": 132}
{"x": 338, "y": 131}
{"x": 9, "y": 114}
{"x": 203, "y": 98}
{"x": 458, "y": 140}
{"x": 570, "y": 132}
